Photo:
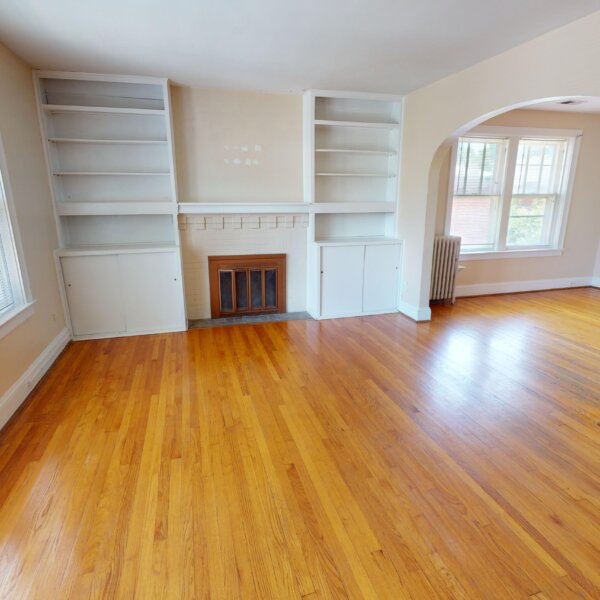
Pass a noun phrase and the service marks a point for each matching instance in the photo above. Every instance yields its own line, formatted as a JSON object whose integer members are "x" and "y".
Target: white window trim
{"x": 24, "y": 308}
{"x": 557, "y": 247}
{"x": 12, "y": 318}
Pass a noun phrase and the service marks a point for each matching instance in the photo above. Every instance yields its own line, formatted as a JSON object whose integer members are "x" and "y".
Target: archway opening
{"x": 519, "y": 186}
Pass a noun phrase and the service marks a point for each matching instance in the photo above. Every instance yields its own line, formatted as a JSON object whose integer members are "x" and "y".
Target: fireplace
{"x": 250, "y": 284}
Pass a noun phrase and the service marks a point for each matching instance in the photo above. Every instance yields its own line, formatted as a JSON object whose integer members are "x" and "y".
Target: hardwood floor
{"x": 361, "y": 458}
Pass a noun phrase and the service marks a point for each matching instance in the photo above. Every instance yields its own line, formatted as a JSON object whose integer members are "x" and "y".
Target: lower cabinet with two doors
{"x": 123, "y": 293}
{"x": 358, "y": 278}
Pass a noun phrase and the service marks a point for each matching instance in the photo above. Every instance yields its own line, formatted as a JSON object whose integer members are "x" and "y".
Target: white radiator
{"x": 446, "y": 250}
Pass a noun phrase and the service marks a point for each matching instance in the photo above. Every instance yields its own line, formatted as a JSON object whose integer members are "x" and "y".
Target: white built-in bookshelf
{"x": 351, "y": 163}
{"x": 109, "y": 150}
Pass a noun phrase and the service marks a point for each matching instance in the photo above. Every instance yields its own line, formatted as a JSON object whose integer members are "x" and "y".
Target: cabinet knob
{"x": 68, "y": 285}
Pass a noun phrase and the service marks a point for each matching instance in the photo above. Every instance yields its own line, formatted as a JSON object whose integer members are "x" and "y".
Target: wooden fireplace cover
{"x": 240, "y": 276}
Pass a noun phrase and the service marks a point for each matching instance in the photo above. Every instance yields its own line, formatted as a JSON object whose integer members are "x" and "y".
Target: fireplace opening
{"x": 247, "y": 284}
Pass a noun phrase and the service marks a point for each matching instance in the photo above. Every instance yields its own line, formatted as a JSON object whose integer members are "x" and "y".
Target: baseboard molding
{"x": 120, "y": 334}
{"x": 508, "y": 287}
{"x": 416, "y": 313}
{"x": 596, "y": 282}
{"x": 18, "y": 392}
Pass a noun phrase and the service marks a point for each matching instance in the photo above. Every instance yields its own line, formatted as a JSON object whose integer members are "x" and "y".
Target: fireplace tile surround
{"x": 235, "y": 234}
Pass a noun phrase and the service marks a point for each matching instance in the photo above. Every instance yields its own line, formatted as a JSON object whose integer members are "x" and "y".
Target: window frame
{"x": 23, "y": 306}
{"x": 561, "y": 209}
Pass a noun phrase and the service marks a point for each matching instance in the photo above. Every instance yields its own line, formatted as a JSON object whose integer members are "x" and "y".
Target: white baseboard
{"x": 16, "y": 394}
{"x": 596, "y": 282}
{"x": 416, "y": 313}
{"x": 120, "y": 334}
{"x": 507, "y": 287}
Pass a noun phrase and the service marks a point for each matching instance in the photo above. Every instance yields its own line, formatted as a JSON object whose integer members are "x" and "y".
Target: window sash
{"x": 553, "y": 166}
{"x": 12, "y": 291}
{"x": 7, "y": 298}
{"x": 470, "y": 182}
{"x": 548, "y": 218}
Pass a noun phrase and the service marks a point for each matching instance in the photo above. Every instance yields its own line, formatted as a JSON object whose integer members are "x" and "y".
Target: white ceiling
{"x": 278, "y": 45}
{"x": 581, "y": 104}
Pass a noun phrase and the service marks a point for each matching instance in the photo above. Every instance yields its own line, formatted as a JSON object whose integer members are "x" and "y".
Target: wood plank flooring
{"x": 355, "y": 458}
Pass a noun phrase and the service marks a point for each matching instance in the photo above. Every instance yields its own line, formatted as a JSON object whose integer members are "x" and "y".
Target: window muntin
{"x": 509, "y": 191}
{"x": 537, "y": 184}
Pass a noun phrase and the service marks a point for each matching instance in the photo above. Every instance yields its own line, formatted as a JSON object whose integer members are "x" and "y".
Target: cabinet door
{"x": 93, "y": 291}
{"x": 382, "y": 266}
{"x": 341, "y": 280}
{"x": 152, "y": 292}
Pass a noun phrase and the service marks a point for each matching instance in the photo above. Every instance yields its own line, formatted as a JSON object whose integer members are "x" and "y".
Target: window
{"x": 509, "y": 191}
{"x": 13, "y": 294}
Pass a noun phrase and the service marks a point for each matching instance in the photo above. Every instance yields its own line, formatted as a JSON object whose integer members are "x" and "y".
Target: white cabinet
{"x": 382, "y": 265}
{"x": 93, "y": 289}
{"x": 151, "y": 291}
{"x": 358, "y": 279}
{"x": 341, "y": 280}
{"x": 116, "y": 294}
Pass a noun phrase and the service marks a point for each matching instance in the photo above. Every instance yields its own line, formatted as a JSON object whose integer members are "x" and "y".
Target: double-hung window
{"x": 510, "y": 190}
{"x": 14, "y": 302}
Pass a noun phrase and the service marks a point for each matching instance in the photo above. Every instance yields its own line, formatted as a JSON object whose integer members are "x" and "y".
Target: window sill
{"x": 11, "y": 319}
{"x": 504, "y": 254}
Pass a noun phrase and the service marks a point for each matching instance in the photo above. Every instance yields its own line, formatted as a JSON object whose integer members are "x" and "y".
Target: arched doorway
{"x": 549, "y": 239}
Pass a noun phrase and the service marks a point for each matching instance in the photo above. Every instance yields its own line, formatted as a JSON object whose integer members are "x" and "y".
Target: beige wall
{"x": 215, "y": 129}
{"x": 563, "y": 62}
{"x": 583, "y": 228}
{"x": 31, "y": 194}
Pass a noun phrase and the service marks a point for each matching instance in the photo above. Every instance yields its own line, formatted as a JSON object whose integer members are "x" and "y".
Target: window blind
{"x": 478, "y": 167}
{"x": 6, "y": 293}
{"x": 7, "y": 296}
{"x": 539, "y": 166}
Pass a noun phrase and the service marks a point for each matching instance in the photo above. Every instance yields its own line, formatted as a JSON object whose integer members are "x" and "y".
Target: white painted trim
{"x": 504, "y": 254}
{"x": 358, "y": 241}
{"x": 11, "y": 319}
{"x": 352, "y": 207}
{"x": 354, "y": 95}
{"x": 116, "y": 208}
{"x": 99, "y": 77}
{"x": 451, "y": 184}
{"x": 596, "y": 282}
{"x": 118, "y": 334}
{"x": 254, "y": 208}
{"x": 222, "y": 208}
{"x": 17, "y": 266}
{"x": 18, "y": 392}
{"x": 116, "y": 249}
{"x": 543, "y": 132}
{"x": 507, "y": 287}
{"x": 353, "y": 316}
{"x": 416, "y": 313}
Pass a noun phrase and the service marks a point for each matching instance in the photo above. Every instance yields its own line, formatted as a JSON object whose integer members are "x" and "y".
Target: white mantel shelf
{"x": 221, "y": 208}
